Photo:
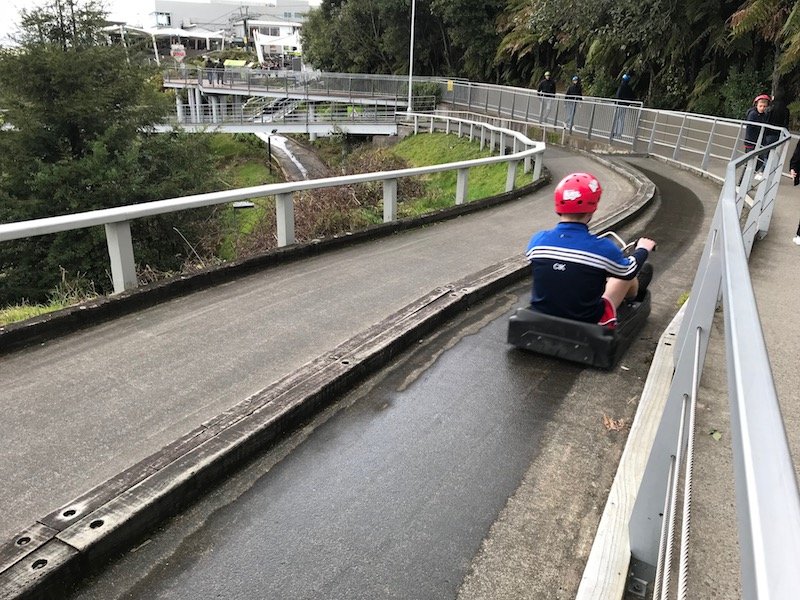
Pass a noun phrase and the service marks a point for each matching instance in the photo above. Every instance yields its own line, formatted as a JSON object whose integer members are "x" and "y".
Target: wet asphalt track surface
{"x": 392, "y": 492}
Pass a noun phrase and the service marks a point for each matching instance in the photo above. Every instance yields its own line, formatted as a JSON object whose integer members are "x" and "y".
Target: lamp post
{"x": 411, "y": 54}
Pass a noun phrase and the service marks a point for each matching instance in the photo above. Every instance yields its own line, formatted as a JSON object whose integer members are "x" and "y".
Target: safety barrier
{"x": 768, "y": 498}
{"x": 117, "y": 220}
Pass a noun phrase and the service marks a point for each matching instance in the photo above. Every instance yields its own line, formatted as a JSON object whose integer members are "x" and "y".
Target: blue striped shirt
{"x": 570, "y": 267}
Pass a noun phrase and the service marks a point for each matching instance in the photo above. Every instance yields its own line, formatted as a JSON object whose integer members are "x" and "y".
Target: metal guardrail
{"x": 768, "y": 498}
{"x": 346, "y": 87}
{"x": 117, "y": 220}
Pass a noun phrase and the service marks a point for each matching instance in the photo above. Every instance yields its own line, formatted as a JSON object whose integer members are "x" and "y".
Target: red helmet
{"x": 762, "y": 97}
{"x": 578, "y": 193}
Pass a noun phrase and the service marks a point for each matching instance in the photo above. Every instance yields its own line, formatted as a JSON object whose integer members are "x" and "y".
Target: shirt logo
{"x": 559, "y": 267}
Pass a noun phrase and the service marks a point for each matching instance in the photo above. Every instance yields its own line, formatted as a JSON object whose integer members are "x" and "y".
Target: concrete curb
{"x": 49, "y": 326}
{"x": 81, "y": 535}
{"x": 606, "y": 572}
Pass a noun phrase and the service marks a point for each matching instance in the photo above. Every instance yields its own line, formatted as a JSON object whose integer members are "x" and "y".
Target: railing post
{"x": 120, "y": 251}
{"x": 179, "y": 105}
{"x": 704, "y": 164}
{"x": 679, "y": 140}
{"x": 537, "y": 166}
{"x": 638, "y": 114}
{"x": 736, "y": 143}
{"x": 461, "y": 185}
{"x": 469, "y": 97}
{"x": 502, "y": 144}
{"x": 591, "y": 121}
{"x": 527, "y": 107}
{"x": 511, "y": 175}
{"x": 284, "y": 211}
{"x": 389, "y": 200}
{"x": 483, "y": 137}
{"x": 513, "y": 103}
{"x": 652, "y": 134}
{"x": 471, "y": 131}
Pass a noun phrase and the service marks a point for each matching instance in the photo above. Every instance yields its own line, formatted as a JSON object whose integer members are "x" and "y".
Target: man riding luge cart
{"x": 589, "y": 297}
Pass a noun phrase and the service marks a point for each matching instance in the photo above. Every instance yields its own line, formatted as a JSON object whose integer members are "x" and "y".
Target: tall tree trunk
{"x": 776, "y": 76}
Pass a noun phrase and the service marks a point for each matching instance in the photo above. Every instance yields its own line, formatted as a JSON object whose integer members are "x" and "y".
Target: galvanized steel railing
{"x": 768, "y": 499}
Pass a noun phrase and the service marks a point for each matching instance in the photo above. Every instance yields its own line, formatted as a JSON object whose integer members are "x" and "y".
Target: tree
{"x": 451, "y": 37}
{"x": 83, "y": 138}
{"x": 776, "y": 23}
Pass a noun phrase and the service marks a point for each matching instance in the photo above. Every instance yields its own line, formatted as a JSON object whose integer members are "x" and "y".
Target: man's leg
{"x": 618, "y": 289}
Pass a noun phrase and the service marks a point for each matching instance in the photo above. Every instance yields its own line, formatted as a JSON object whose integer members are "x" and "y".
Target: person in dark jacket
{"x": 547, "y": 89}
{"x": 624, "y": 97}
{"x": 777, "y": 115}
{"x": 756, "y": 117}
{"x": 794, "y": 171}
{"x": 577, "y": 275}
{"x": 574, "y": 92}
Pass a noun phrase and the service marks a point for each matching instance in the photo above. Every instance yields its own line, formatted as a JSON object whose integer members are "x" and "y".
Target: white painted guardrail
{"x": 117, "y": 220}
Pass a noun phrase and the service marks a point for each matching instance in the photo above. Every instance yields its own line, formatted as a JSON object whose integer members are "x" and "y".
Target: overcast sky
{"x": 9, "y": 12}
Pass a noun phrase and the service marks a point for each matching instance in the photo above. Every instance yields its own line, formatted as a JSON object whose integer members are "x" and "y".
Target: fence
{"x": 117, "y": 220}
{"x": 768, "y": 499}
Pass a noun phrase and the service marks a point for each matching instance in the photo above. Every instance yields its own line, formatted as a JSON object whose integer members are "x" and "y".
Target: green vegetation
{"x": 701, "y": 55}
{"x": 440, "y": 188}
{"x": 68, "y": 292}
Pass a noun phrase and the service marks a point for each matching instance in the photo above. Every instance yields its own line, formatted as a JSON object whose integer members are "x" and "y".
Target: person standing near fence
{"x": 756, "y": 116}
{"x": 777, "y": 115}
{"x": 547, "y": 90}
{"x": 794, "y": 171}
{"x": 623, "y": 97}
{"x": 574, "y": 92}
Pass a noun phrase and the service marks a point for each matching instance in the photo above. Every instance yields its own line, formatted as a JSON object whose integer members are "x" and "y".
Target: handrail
{"x": 117, "y": 220}
{"x": 768, "y": 497}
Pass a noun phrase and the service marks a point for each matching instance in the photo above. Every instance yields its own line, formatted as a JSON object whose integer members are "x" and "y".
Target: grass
{"x": 25, "y": 311}
{"x": 437, "y": 148}
{"x": 69, "y": 291}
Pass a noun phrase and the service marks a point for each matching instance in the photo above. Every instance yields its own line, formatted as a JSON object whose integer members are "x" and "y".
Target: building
{"x": 211, "y": 15}
{"x": 188, "y": 28}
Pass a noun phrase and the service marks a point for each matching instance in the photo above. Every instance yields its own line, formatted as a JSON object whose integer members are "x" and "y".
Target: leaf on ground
{"x": 715, "y": 434}
{"x": 614, "y": 424}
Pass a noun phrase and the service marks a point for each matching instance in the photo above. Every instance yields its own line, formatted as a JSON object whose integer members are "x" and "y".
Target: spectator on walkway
{"x": 777, "y": 115}
{"x": 220, "y": 66}
{"x": 209, "y": 66}
{"x": 794, "y": 171}
{"x": 624, "y": 97}
{"x": 756, "y": 117}
{"x": 547, "y": 90}
{"x": 574, "y": 92}
{"x": 577, "y": 275}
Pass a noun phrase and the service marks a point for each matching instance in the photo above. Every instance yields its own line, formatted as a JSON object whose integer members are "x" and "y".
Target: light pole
{"x": 411, "y": 54}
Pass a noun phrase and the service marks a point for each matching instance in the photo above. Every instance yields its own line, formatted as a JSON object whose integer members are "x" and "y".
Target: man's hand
{"x": 793, "y": 173}
{"x": 646, "y": 243}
